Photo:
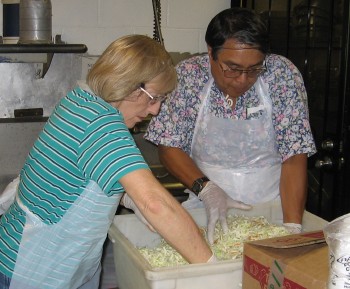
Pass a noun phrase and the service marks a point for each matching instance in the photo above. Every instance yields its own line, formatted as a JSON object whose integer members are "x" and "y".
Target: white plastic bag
{"x": 337, "y": 234}
{"x": 7, "y": 197}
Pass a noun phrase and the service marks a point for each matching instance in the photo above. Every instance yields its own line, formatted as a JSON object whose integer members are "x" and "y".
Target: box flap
{"x": 301, "y": 267}
{"x": 291, "y": 241}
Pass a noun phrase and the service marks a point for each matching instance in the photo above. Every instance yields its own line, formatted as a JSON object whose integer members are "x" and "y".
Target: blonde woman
{"x": 79, "y": 168}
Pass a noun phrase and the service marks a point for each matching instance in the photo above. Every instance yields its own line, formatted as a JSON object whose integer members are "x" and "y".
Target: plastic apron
{"x": 240, "y": 156}
{"x": 65, "y": 255}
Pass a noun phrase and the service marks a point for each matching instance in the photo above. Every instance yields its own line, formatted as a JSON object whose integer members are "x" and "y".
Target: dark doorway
{"x": 314, "y": 34}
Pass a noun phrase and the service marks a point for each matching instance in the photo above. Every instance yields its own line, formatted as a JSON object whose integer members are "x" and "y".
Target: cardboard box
{"x": 295, "y": 262}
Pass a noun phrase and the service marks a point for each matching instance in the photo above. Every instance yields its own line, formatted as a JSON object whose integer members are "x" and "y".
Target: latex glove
{"x": 216, "y": 203}
{"x": 127, "y": 202}
{"x": 293, "y": 228}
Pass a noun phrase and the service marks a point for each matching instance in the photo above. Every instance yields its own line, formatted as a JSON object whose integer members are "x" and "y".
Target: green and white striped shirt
{"x": 84, "y": 139}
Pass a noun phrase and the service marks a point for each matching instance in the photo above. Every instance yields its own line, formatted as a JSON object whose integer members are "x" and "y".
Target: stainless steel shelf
{"x": 43, "y": 48}
{"x": 37, "y": 53}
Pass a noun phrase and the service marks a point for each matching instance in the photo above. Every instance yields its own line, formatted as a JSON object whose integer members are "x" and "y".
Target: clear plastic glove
{"x": 127, "y": 202}
{"x": 293, "y": 228}
{"x": 216, "y": 203}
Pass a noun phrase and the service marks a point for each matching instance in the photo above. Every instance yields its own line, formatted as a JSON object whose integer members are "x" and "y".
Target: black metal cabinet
{"x": 314, "y": 34}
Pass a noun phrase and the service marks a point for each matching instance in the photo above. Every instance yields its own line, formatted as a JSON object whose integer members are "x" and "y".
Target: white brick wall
{"x": 96, "y": 23}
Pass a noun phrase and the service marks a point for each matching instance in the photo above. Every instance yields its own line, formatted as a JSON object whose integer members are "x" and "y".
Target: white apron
{"x": 65, "y": 255}
{"x": 240, "y": 156}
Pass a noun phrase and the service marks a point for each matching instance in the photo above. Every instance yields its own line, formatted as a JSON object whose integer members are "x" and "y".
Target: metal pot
{"x": 35, "y": 21}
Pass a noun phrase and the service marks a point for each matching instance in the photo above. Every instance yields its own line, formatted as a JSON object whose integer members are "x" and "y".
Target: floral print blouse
{"x": 175, "y": 123}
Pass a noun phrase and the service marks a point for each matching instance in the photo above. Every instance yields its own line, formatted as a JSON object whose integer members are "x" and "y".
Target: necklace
{"x": 229, "y": 100}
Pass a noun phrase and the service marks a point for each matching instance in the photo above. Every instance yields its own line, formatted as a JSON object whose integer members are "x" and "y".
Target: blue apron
{"x": 65, "y": 255}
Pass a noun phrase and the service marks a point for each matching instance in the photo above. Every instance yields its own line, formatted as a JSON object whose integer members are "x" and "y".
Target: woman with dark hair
{"x": 235, "y": 131}
{"x": 78, "y": 169}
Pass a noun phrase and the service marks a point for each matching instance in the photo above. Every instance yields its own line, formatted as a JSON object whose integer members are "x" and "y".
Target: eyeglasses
{"x": 153, "y": 99}
{"x": 236, "y": 72}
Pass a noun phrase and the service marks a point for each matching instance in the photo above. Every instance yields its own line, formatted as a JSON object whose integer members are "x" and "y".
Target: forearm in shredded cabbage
{"x": 227, "y": 246}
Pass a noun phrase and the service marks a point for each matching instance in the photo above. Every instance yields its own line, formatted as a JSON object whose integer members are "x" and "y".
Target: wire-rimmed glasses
{"x": 153, "y": 99}
{"x": 237, "y": 72}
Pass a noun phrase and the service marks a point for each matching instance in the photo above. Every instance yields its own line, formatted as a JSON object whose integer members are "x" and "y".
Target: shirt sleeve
{"x": 174, "y": 125}
{"x": 290, "y": 108}
{"x": 108, "y": 152}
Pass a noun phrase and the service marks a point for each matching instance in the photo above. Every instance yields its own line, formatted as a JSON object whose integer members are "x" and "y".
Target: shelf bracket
{"x": 46, "y": 65}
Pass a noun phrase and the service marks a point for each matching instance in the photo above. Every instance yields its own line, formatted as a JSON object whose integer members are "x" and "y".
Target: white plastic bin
{"x": 134, "y": 272}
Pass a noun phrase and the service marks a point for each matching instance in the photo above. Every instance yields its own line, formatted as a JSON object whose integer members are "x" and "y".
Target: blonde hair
{"x": 126, "y": 63}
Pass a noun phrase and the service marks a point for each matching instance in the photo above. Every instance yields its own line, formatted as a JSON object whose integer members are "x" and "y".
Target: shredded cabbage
{"x": 227, "y": 246}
